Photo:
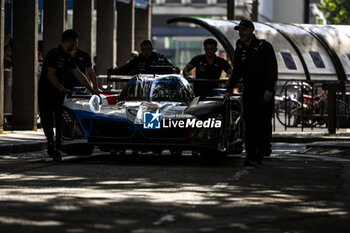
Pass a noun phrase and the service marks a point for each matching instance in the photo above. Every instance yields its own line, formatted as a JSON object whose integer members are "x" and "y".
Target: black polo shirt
{"x": 82, "y": 61}
{"x": 63, "y": 62}
{"x": 141, "y": 64}
{"x": 7, "y": 63}
{"x": 204, "y": 70}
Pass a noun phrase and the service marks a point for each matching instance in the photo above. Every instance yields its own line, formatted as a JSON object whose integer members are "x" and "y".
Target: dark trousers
{"x": 50, "y": 116}
{"x": 257, "y": 114}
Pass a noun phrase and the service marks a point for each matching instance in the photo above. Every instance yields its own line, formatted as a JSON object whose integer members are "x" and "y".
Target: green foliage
{"x": 336, "y": 11}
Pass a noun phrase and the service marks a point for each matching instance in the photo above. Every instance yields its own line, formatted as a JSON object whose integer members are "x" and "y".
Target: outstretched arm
{"x": 228, "y": 69}
{"x": 82, "y": 79}
{"x": 93, "y": 78}
{"x": 236, "y": 74}
{"x": 270, "y": 67}
{"x": 271, "y": 71}
{"x": 176, "y": 69}
{"x": 128, "y": 68}
{"x": 186, "y": 71}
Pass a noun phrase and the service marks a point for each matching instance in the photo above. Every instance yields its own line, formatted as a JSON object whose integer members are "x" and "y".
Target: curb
{"x": 307, "y": 138}
{"x": 342, "y": 141}
{"x": 22, "y": 147}
{"x": 343, "y": 145}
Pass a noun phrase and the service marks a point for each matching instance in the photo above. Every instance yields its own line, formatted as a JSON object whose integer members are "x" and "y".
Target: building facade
{"x": 181, "y": 42}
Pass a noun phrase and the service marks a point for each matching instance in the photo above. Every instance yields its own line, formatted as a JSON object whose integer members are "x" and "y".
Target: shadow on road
{"x": 149, "y": 193}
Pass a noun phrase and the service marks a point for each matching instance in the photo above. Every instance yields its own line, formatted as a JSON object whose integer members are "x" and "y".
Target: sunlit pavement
{"x": 21, "y": 141}
{"x": 295, "y": 190}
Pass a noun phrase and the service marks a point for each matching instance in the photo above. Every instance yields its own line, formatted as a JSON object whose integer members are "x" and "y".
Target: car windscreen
{"x": 136, "y": 90}
{"x": 163, "y": 89}
{"x": 167, "y": 90}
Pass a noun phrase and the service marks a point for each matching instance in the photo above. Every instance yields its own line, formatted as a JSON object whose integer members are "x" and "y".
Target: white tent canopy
{"x": 303, "y": 51}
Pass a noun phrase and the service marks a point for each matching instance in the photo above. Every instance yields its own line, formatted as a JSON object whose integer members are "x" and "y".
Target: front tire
{"x": 212, "y": 154}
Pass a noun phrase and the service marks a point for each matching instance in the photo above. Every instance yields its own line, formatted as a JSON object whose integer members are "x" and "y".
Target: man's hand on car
{"x": 176, "y": 70}
{"x": 110, "y": 70}
{"x": 98, "y": 90}
{"x": 66, "y": 92}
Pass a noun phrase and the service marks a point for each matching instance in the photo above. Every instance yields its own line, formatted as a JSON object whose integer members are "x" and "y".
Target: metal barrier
{"x": 312, "y": 105}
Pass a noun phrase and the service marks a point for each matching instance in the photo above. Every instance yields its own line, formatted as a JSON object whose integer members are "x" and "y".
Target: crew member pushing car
{"x": 208, "y": 66}
{"x": 83, "y": 61}
{"x": 51, "y": 90}
{"x": 255, "y": 62}
{"x": 143, "y": 63}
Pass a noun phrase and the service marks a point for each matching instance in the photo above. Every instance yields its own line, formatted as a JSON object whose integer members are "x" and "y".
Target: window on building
{"x": 317, "y": 59}
{"x": 173, "y": 1}
{"x": 288, "y": 60}
{"x": 158, "y": 1}
{"x": 199, "y": 1}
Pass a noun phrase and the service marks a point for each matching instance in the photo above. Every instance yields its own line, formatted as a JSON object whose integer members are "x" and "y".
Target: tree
{"x": 336, "y": 11}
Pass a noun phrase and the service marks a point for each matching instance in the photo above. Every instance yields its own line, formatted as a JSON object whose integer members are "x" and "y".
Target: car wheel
{"x": 238, "y": 148}
{"x": 195, "y": 154}
{"x": 157, "y": 152}
{"x": 135, "y": 152}
{"x": 104, "y": 148}
{"x": 212, "y": 154}
{"x": 122, "y": 152}
{"x": 113, "y": 152}
{"x": 176, "y": 153}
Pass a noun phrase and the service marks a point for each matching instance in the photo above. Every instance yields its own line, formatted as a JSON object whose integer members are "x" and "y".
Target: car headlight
{"x": 94, "y": 103}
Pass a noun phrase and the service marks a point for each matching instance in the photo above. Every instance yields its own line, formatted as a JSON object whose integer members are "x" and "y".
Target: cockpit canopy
{"x": 171, "y": 88}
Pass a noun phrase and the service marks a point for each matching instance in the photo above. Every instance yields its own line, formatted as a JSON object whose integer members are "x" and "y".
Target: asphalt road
{"x": 291, "y": 192}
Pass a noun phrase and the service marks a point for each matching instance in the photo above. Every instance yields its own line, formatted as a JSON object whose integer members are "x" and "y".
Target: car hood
{"x": 134, "y": 110}
{"x": 131, "y": 110}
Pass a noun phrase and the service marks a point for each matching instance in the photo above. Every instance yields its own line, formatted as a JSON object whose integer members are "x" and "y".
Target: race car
{"x": 153, "y": 113}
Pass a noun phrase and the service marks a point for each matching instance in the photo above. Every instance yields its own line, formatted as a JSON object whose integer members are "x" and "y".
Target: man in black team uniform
{"x": 255, "y": 62}
{"x": 51, "y": 90}
{"x": 208, "y": 66}
{"x": 143, "y": 63}
{"x": 83, "y": 62}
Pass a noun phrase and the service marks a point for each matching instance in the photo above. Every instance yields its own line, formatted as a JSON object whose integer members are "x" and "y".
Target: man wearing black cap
{"x": 51, "y": 91}
{"x": 255, "y": 62}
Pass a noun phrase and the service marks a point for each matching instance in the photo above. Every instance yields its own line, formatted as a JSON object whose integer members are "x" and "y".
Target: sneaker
{"x": 266, "y": 154}
{"x": 57, "y": 157}
{"x": 51, "y": 148}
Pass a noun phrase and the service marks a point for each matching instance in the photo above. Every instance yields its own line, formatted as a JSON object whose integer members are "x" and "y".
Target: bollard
{"x": 332, "y": 88}
{"x": 7, "y": 93}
